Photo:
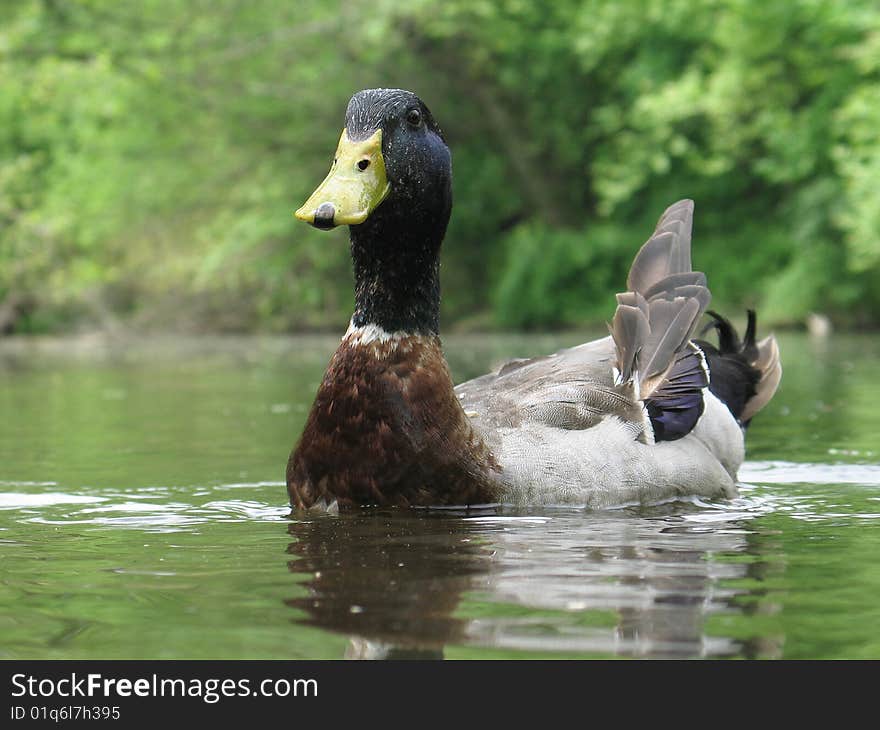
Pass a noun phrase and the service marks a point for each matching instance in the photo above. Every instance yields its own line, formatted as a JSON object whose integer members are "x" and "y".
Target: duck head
{"x": 391, "y": 148}
{"x": 391, "y": 182}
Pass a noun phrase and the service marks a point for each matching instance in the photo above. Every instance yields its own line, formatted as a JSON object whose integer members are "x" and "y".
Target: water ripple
{"x": 154, "y": 508}
{"x": 787, "y": 472}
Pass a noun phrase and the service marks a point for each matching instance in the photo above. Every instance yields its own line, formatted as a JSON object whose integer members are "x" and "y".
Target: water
{"x": 143, "y": 515}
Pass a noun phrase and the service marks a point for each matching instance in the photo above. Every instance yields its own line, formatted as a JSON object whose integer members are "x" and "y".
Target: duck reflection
{"x": 636, "y": 582}
{"x": 392, "y": 581}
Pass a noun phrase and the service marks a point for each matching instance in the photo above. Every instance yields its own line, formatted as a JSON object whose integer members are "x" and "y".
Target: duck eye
{"x": 414, "y": 117}
{"x": 363, "y": 164}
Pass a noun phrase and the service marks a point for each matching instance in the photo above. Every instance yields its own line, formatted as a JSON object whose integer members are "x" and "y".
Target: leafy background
{"x": 152, "y": 151}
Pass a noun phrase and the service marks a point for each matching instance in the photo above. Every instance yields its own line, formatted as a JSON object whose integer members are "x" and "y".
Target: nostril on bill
{"x": 324, "y": 216}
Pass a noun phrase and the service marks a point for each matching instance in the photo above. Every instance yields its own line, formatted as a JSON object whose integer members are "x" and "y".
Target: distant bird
{"x": 644, "y": 415}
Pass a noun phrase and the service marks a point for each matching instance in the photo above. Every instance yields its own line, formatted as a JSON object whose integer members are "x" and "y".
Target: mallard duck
{"x": 643, "y": 415}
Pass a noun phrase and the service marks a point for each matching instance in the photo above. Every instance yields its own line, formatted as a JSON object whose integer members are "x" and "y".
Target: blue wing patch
{"x": 675, "y": 407}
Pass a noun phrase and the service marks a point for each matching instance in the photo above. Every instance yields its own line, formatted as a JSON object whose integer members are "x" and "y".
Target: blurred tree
{"x": 151, "y": 153}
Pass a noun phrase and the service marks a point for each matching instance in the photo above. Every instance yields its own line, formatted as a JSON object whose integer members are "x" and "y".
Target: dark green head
{"x": 391, "y": 148}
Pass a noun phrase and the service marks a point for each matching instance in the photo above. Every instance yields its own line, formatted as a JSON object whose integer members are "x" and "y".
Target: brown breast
{"x": 386, "y": 428}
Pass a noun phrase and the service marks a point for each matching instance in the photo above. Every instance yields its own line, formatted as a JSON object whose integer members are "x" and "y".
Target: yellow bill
{"x": 353, "y": 188}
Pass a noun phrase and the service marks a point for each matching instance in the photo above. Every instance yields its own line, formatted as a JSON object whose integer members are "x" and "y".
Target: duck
{"x": 647, "y": 414}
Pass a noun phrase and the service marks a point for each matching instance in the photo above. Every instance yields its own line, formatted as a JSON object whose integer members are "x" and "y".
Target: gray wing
{"x": 656, "y": 318}
{"x": 570, "y": 389}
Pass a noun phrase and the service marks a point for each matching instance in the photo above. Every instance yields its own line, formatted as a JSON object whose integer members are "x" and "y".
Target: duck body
{"x": 636, "y": 417}
{"x": 566, "y": 434}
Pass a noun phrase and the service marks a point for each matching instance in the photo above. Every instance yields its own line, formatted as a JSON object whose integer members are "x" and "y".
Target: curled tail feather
{"x": 745, "y": 374}
{"x": 764, "y": 357}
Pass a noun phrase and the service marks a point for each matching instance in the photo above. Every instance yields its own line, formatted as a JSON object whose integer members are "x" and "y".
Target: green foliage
{"x": 151, "y": 153}
{"x": 558, "y": 276}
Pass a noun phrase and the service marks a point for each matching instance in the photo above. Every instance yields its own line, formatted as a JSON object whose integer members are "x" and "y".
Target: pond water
{"x": 143, "y": 515}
